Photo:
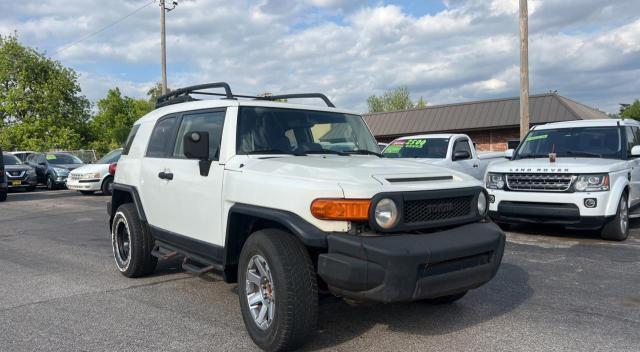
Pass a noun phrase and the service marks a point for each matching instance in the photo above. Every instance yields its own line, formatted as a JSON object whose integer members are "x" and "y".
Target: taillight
{"x": 112, "y": 168}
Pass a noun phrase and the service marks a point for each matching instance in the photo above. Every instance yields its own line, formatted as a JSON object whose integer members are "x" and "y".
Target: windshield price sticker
{"x": 51, "y": 157}
{"x": 415, "y": 143}
{"x": 535, "y": 138}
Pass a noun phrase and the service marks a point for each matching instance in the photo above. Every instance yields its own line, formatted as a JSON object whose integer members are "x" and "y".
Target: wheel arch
{"x": 244, "y": 219}
{"x": 123, "y": 194}
{"x": 617, "y": 190}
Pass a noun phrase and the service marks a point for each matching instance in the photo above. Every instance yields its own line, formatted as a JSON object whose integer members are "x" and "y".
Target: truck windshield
{"x": 430, "y": 148}
{"x": 265, "y": 130}
{"x": 590, "y": 142}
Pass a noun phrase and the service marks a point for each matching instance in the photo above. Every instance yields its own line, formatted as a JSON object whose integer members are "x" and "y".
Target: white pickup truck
{"x": 453, "y": 151}
{"x": 575, "y": 173}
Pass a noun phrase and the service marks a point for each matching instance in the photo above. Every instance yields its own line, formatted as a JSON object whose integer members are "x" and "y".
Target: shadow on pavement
{"x": 40, "y": 195}
{"x": 565, "y": 233}
{"x": 340, "y": 321}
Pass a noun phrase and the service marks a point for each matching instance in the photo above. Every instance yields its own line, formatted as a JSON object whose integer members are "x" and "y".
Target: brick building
{"x": 490, "y": 123}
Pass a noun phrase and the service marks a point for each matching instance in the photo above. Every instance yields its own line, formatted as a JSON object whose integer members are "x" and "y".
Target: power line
{"x": 103, "y": 28}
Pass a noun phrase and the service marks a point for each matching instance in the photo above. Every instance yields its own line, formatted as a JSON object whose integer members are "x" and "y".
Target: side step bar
{"x": 163, "y": 253}
{"x": 191, "y": 264}
{"x": 198, "y": 269}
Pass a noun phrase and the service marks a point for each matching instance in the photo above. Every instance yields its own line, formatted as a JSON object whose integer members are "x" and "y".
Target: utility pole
{"x": 163, "y": 41}
{"x": 524, "y": 69}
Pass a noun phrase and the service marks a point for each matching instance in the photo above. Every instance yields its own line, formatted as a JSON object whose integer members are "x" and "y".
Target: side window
{"x": 210, "y": 121}
{"x": 631, "y": 138}
{"x": 129, "y": 141}
{"x": 40, "y": 159}
{"x": 161, "y": 137}
{"x": 462, "y": 145}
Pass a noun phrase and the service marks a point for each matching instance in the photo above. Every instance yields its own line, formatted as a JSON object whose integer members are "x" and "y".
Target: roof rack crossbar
{"x": 179, "y": 95}
{"x": 298, "y": 96}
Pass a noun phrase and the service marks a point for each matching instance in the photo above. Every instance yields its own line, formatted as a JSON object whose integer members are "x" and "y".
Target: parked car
{"x": 22, "y": 155}
{"x": 94, "y": 177}
{"x": 244, "y": 188}
{"x": 3, "y": 180}
{"x": 577, "y": 173}
{"x": 454, "y": 151}
{"x": 18, "y": 174}
{"x": 53, "y": 169}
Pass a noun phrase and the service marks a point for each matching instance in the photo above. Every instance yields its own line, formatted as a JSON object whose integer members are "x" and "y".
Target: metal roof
{"x": 478, "y": 115}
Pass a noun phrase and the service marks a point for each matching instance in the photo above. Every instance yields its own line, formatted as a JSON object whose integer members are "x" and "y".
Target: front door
{"x": 184, "y": 202}
{"x": 468, "y": 165}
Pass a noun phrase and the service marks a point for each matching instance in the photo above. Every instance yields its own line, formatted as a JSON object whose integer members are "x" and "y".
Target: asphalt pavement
{"x": 556, "y": 290}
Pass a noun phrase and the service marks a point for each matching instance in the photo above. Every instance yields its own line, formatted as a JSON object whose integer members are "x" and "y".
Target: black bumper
{"x": 545, "y": 213}
{"x": 409, "y": 267}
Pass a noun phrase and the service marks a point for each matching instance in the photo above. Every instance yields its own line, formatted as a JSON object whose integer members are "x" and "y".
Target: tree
{"x": 394, "y": 100}
{"x": 116, "y": 114}
{"x": 41, "y": 106}
{"x": 630, "y": 111}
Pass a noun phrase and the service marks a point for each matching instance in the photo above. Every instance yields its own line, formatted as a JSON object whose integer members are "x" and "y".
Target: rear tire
{"x": 107, "y": 186}
{"x": 446, "y": 299}
{"x": 132, "y": 243}
{"x": 285, "y": 283}
{"x": 617, "y": 229}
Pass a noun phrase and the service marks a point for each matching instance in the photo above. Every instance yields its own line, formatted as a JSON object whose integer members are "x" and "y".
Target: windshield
{"x": 289, "y": 131}
{"x": 598, "y": 142}
{"x": 431, "y": 148}
{"x": 59, "y": 159}
{"x": 110, "y": 158}
{"x": 10, "y": 159}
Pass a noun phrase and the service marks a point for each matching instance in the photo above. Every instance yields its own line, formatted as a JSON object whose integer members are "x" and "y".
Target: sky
{"x": 444, "y": 51}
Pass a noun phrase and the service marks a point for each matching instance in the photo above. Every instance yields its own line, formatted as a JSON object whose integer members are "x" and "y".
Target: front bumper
{"x": 84, "y": 184}
{"x": 18, "y": 183}
{"x": 407, "y": 267}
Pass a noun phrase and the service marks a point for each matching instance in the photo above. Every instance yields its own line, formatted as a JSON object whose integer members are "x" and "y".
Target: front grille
{"x": 75, "y": 176}
{"x": 424, "y": 210}
{"x": 15, "y": 174}
{"x": 539, "y": 182}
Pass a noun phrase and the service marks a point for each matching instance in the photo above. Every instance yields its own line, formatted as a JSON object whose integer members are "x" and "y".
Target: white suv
{"x": 289, "y": 200}
{"x": 577, "y": 173}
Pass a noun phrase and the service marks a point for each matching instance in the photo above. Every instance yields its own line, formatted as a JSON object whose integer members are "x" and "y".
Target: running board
{"x": 198, "y": 269}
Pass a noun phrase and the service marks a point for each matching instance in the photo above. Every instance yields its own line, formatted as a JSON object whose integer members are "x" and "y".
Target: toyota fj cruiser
{"x": 291, "y": 200}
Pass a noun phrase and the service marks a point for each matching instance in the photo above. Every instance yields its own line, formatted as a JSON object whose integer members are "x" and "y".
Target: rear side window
{"x": 161, "y": 138}
{"x": 129, "y": 141}
{"x": 210, "y": 121}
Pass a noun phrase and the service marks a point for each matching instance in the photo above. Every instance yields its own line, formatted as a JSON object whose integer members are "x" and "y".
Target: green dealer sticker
{"x": 415, "y": 143}
{"x": 535, "y": 138}
{"x": 51, "y": 157}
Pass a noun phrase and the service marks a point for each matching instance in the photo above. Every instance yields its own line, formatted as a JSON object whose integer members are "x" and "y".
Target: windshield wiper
{"x": 273, "y": 151}
{"x": 365, "y": 152}
{"x": 532, "y": 156}
{"x": 326, "y": 151}
{"x": 587, "y": 154}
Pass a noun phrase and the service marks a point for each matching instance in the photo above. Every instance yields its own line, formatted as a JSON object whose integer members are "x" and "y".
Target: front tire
{"x": 617, "y": 229}
{"x": 51, "y": 184}
{"x": 132, "y": 243}
{"x": 278, "y": 290}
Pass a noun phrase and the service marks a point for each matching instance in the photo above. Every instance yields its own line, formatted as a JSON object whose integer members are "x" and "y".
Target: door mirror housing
{"x": 635, "y": 151}
{"x": 196, "y": 146}
{"x": 508, "y": 153}
{"x": 461, "y": 155}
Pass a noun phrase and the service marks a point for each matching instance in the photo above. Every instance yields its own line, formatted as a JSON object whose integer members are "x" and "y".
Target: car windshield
{"x": 430, "y": 148}
{"x": 289, "y": 131}
{"x": 110, "y": 158}
{"x": 58, "y": 159}
{"x": 10, "y": 159}
{"x": 594, "y": 142}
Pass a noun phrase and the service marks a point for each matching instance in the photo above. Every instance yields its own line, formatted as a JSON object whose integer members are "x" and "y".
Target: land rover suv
{"x": 287, "y": 200}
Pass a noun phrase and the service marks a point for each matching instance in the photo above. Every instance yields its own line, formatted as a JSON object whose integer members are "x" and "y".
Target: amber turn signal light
{"x": 341, "y": 209}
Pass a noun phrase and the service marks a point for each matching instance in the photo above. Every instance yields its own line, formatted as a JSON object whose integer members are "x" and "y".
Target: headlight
{"x": 90, "y": 176}
{"x": 482, "y": 204}
{"x": 591, "y": 183}
{"x": 495, "y": 181}
{"x": 386, "y": 213}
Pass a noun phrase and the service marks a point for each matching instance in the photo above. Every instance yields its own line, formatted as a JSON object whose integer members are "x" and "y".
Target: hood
{"x": 562, "y": 165}
{"x": 20, "y": 168}
{"x": 359, "y": 176}
{"x": 66, "y": 166}
{"x": 92, "y": 168}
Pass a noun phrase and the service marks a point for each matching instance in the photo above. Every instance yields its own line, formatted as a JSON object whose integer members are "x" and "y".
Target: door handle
{"x": 165, "y": 175}
{"x": 475, "y": 165}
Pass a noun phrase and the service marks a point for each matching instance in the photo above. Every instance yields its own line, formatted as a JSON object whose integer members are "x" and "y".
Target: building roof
{"x": 477, "y": 115}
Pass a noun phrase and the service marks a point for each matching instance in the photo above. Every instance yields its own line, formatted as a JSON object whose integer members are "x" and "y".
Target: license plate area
{"x": 16, "y": 183}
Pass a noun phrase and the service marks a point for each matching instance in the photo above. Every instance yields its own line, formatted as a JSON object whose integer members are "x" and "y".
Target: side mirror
{"x": 508, "y": 153}
{"x": 196, "y": 146}
{"x": 461, "y": 155}
{"x": 635, "y": 151}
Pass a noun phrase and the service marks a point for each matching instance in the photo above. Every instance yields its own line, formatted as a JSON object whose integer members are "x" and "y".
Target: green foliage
{"x": 630, "y": 111}
{"x": 116, "y": 114}
{"x": 394, "y": 100}
{"x": 41, "y": 106}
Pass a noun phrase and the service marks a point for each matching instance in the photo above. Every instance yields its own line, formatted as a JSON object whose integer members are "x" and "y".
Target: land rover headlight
{"x": 386, "y": 213}
{"x": 495, "y": 181}
{"x": 482, "y": 204}
{"x": 591, "y": 183}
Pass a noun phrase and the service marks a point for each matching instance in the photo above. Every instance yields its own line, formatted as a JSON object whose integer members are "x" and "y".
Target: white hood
{"x": 562, "y": 165}
{"x": 92, "y": 168}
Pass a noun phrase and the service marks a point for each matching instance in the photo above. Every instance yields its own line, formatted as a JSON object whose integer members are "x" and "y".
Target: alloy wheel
{"x": 260, "y": 292}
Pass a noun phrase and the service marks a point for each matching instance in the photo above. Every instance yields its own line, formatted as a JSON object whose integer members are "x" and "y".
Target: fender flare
{"x": 117, "y": 198}
{"x": 620, "y": 186}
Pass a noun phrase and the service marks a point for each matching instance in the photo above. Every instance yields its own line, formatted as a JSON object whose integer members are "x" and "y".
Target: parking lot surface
{"x": 59, "y": 290}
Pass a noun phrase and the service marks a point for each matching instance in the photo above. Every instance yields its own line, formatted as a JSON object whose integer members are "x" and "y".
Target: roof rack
{"x": 184, "y": 95}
